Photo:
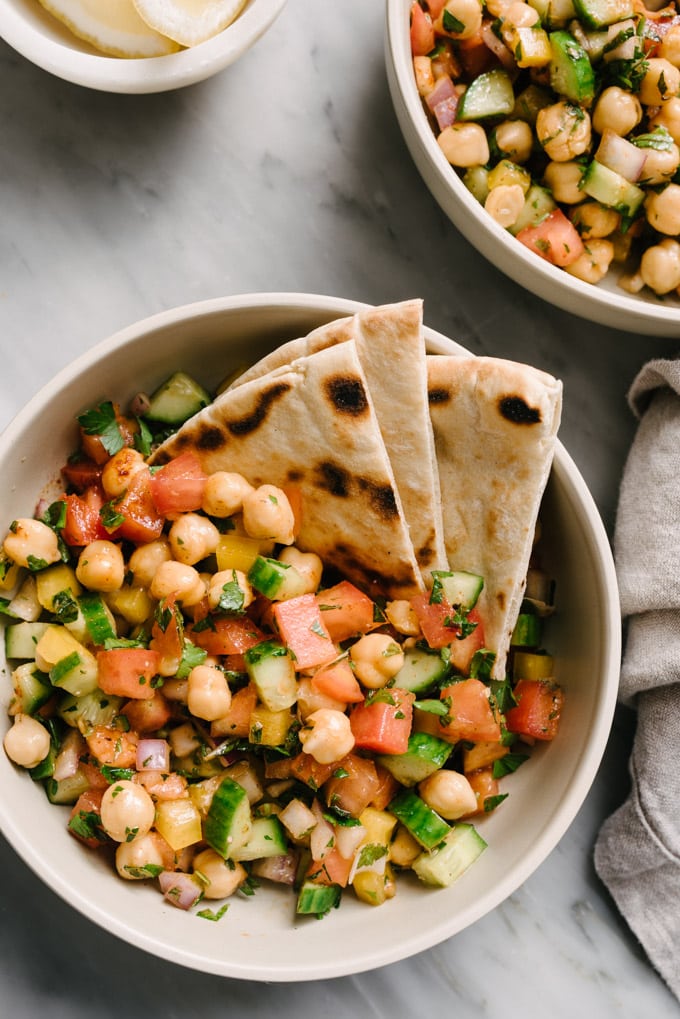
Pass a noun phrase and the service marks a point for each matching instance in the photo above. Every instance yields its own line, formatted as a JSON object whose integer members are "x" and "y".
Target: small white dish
{"x": 32, "y": 31}
{"x": 260, "y": 938}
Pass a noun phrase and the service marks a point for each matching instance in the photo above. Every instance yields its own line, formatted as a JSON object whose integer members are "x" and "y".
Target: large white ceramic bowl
{"x": 605, "y": 303}
{"x": 260, "y": 938}
{"x": 42, "y": 39}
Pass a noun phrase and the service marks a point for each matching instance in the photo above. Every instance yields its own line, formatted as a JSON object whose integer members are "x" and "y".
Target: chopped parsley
{"x": 209, "y": 914}
{"x": 102, "y": 422}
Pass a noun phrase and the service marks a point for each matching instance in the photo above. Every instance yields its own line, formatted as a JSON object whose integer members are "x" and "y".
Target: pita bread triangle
{"x": 312, "y": 424}
{"x": 495, "y": 424}
{"x": 391, "y": 348}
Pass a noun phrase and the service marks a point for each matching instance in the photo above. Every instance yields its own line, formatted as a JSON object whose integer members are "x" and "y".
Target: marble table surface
{"x": 288, "y": 172}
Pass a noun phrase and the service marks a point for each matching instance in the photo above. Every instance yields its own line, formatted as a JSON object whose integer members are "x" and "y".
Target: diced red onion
{"x": 444, "y": 89}
{"x": 153, "y": 755}
{"x": 41, "y": 508}
{"x": 497, "y": 47}
{"x": 348, "y": 839}
{"x": 322, "y": 838}
{"x": 281, "y": 869}
{"x": 179, "y": 889}
{"x": 298, "y": 818}
{"x": 446, "y": 112}
{"x": 140, "y": 404}
{"x": 620, "y": 155}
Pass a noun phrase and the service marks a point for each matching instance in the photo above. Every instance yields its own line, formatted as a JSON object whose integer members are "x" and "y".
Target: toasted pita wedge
{"x": 495, "y": 424}
{"x": 312, "y": 424}
{"x": 391, "y": 349}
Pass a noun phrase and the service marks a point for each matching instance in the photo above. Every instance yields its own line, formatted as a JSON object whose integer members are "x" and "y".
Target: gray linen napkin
{"x": 637, "y": 853}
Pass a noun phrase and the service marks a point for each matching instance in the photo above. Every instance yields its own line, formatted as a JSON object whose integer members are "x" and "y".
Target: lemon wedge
{"x": 189, "y": 22}
{"x": 112, "y": 26}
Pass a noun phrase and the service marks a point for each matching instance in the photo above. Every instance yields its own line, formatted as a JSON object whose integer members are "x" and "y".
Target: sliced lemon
{"x": 189, "y": 22}
{"x": 111, "y": 26}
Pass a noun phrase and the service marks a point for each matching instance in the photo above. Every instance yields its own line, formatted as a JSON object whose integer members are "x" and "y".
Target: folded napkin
{"x": 637, "y": 853}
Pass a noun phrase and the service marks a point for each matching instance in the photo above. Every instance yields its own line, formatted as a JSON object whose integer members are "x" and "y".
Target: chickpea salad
{"x": 215, "y": 709}
{"x": 563, "y": 119}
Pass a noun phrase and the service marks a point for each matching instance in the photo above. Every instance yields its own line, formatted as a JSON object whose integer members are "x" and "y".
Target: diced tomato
{"x": 83, "y": 522}
{"x": 346, "y": 611}
{"x": 82, "y": 474}
{"x": 383, "y": 722}
{"x": 334, "y": 869}
{"x": 538, "y": 709}
{"x": 167, "y": 638}
{"x": 92, "y": 446}
{"x": 387, "y": 790}
{"x": 470, "y": 712}
{"x": 434, "y": 618}
{"x": 227, "y": 635}
{"x": 484, "y": 786}
{"x": 353, "y": 784}
{"x": 435, "y": 7}
{"x": 339, "y": 682}
{"x": 463, "y": 651}
{"x": 179, "y": 486}
{"x": 88, "y": 808}
{"x": 127, "y": 672}
{"x": 93, "y": 775}
{"x": 143, "y": 522}
{"x": 422, "y": 31}
{"x": 555, "y": 239}
{"x": 294, "y": 495}
{"x": 298, "y": 621}
{"x": 148, "y": 715}
{"x": 475, "y": 55}
{"x": 236, "y": 722}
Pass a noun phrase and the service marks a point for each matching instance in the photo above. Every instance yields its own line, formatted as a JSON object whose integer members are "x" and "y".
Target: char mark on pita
{"x": 347, "y": 395}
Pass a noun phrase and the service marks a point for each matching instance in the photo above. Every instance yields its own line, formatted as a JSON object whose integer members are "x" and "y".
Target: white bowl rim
{"x": 599, "y": 547}
{"x": 140, "y": 74}
{"x": 571, "y": 294}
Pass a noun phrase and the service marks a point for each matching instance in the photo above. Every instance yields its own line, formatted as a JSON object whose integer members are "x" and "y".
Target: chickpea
{"x": 449, "y": 793}
{"x": 327, "y": 735}
{"x": 563, "y": 179}
{"x": 467, "y": 12}
{"x": 120, "y": 470}
{"x": 224, "y": 877}
{"x": 593, "y": 263}
{"x": 127, "y": 811}
{"x": 402, "y": 617}
{"x": 267, "y": 513}
{"x": 192, "y": 537}
{"x": 618, "y": 110}
{"x": 132, "y": 857}
{"x": 663, "y": 210}
{"x": 660, "y": 83}
{"x": 660, "y": 164}
{"x": 224, "y": 493}
{"x": 404, "y": 848}
{"x": 177, "y": 690}
{"x": 505, "y": 203}
{"x": 146, "y": 559}
{"x": 660, "y": 266}
{"x": 27, "y": 743}
{"x": 101, "y": 566}
{"x": 563, "y": 130}
{"x": 464, "y": 144}
{"x": 376, "y": 658}
{"x": 594, "y": 220}
{"x": 515, "y": 140}
{"x": 179, "y": 579}
{"x": 670, "y": 46}
{"x": 31, "y": 539}
{"x": 219, "y": 581}
{"x": 208, "y": 693}
{"x": 668, "y": 116}
{"x": 307, "y": 564}
{"x": 422, "y": 67}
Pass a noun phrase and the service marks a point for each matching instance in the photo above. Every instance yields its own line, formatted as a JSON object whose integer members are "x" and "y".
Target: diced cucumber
{"x": 445, "y": 864}
{"x": 92, "y": 709}
{"x": 45, "y": 769}
{"x": 67, "y": 790}
{"x": 592, "y": 40}
{"x": 598, "y": 13}
{"x": 21, "y": 639}
{"x": 267, "y": 838}
{"x": 421, "y": 670}
{"x": 476, "y": 180}
{"x": 317, "y": 900}
{"x": 25, "y": 604}
{"x": 98, "y": 618}
{"x": 538, "y": 204}
{"x": 179, "y": 398}
{"x": 229, "y": 822}
{"x": 489, "y": 95}
{"x": 530, "y": 102}
{"x": 272, "y": 670}
{"x": 426, "y": 826}
{"x": 460, "y": 587}
{"x": 527, "y": 631}
{"x": 276, "y": 580}
{"x": 32, "y": 688}
{"x": 611, "y": 189}
{"x": 571, "y": 73}
{"x": 425, "y": 755}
